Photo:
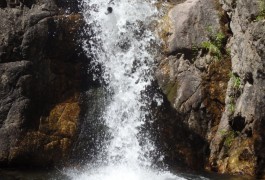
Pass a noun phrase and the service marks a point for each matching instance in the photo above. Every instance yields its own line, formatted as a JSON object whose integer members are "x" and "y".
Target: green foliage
{"x": 212, "y": 48}
{"x": 261, "y": 15}
{"x": 232, "y": 104}
{"x": 229, "y": 137}
{"x": 215, "y": 44}
{"x": 231, "y": 107}
{"x": 236, "y": 83}
{"x": 236, "y": 80}
{"x": 219, "y": 39}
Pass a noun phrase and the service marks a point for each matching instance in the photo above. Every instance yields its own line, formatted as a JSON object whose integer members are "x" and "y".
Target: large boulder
{"x": 188, "y": 24}
{"x": 40, "y": 82}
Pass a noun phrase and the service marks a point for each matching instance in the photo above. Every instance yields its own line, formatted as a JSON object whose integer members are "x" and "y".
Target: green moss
{"x": 171, "y": 91}
{"x": 231, "y": 107}
{"x": 232, "y": 104}
{"x": 229, "y": 137}
{"x": 235, "y": 80}
{"x": 261, "y": 15}
{"x": 168, "y": 87}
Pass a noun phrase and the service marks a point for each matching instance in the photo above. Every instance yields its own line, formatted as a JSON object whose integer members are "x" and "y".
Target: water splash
{"x": 121, "y": 44}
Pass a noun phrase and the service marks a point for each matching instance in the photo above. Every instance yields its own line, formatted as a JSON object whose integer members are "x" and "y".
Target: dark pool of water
{"x": 213, "y": 176}
{"x": 12, "y": 174}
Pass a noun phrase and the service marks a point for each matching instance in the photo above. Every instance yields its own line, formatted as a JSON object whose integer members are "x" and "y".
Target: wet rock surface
{"x": 193, "y": 81}
{"x": 213, "y": 113}
{"x": 41, "y": 70}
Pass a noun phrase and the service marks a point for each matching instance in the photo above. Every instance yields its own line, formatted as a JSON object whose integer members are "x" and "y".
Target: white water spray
{"x": 121, "y": 43}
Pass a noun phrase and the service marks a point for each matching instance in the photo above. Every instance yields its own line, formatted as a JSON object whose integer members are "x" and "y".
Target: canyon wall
{"x": 212, "y": 73}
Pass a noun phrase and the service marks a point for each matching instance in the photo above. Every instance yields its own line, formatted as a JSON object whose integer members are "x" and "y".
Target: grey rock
{"x": 248, "y": 98}
{"x": 227, "y": 114}
{"x": 189, "y": 24}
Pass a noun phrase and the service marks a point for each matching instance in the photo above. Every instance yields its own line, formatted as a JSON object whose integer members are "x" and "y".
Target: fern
{"x": 212, "y": 48}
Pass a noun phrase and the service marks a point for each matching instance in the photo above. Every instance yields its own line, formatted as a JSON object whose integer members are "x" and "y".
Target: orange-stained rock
{"x": 52, "y": 141}
{"x": 41, "y": 73}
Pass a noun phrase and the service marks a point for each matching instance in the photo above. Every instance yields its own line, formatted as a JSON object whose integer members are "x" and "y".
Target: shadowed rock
{"x": 41, "y": 67}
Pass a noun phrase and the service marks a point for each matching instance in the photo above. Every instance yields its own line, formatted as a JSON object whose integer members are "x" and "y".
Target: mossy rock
{"x": 171, "y": 90}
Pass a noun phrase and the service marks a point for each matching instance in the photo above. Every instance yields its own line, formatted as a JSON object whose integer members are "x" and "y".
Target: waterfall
{"x": 120, "y": 43}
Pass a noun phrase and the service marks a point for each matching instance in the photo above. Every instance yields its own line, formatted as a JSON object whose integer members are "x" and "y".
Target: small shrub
{"x": 236, "y": 81}
{"x": 219, "y": 39}
{"x": 212, "y": 48}
{"x": 215, "y": 44}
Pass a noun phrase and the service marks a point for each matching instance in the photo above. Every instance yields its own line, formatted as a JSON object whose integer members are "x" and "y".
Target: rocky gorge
{"x": 210, "y": 72}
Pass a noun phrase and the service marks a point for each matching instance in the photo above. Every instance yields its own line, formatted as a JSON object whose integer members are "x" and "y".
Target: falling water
{"x": 121, "y": 43}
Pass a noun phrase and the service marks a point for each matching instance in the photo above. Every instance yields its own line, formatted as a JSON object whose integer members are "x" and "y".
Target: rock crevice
{"x": 221, "y": 85}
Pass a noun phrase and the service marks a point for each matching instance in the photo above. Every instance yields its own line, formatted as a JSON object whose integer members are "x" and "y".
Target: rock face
{"x": 245, "y": 93}
{"x": 212, "y": 74}
{"x": 194, "y": 82}
{"x": 188, "y": 24}
{"x": 40, "y": 82}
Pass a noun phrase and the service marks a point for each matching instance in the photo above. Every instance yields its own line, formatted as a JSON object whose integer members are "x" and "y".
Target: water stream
{"x": 120, "y": 43}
